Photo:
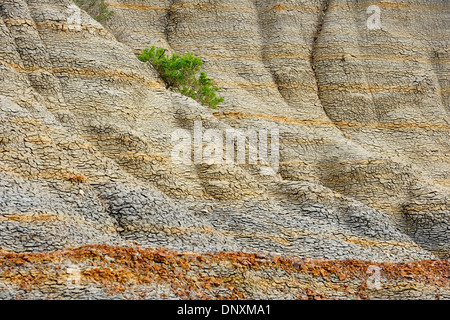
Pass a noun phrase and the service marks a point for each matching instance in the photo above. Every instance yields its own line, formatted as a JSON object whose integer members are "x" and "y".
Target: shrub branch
{"x": 181, "y": 73}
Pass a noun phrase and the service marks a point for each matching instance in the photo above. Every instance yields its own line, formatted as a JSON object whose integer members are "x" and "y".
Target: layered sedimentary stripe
{"x": 141, "y": 24}
{"x": 390, "y": 75}
{"x": 135, "y": 273}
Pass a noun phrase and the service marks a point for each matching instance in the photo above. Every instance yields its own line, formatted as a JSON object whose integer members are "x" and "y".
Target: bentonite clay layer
{"x": 364, "y": 122}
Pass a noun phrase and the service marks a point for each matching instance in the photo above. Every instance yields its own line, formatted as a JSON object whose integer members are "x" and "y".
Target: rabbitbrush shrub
{"x": 182, "y": 74}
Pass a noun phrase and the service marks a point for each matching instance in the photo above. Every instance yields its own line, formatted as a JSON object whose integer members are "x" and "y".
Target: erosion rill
{"x": 89, "y": 191}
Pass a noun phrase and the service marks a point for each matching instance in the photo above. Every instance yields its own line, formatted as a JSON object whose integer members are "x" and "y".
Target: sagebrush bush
{"x": 97, "y": 9}
{"x": 182, "y": 73}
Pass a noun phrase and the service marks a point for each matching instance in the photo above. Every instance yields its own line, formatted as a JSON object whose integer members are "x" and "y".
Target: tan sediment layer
{"x": 387, "y": 126}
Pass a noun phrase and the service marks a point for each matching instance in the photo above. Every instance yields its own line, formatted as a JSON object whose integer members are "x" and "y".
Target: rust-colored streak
{"x": 117, "y": 269}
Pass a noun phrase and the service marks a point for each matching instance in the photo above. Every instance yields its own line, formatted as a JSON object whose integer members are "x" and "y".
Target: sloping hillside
{"x": 363, "y": 115}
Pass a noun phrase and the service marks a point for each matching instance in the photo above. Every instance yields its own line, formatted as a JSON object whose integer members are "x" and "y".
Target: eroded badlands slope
{"x": 85, "y": 131}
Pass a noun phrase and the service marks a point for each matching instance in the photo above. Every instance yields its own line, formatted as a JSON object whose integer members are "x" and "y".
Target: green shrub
{"x": 97, "y": 9}
{"x": 182, "y": 74}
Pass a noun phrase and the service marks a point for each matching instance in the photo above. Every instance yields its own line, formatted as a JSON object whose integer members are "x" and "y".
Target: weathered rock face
{"x": 363, "y": 112}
